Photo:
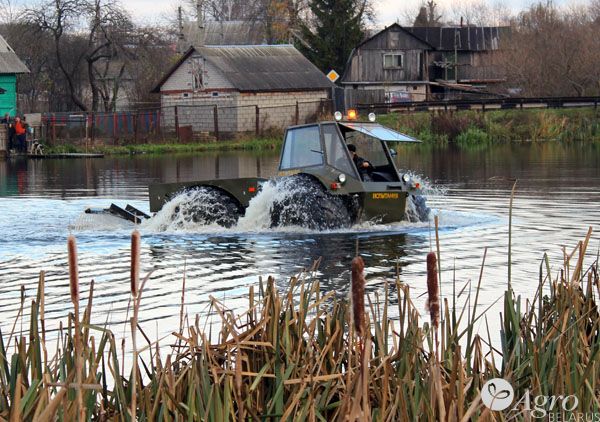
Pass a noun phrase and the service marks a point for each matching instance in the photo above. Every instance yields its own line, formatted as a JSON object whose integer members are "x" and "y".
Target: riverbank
{"x": 467, "y": 128}
{"x": 305, "y": 354}
{"x": 462, "y": 128}
{"x": 252, "y": 144}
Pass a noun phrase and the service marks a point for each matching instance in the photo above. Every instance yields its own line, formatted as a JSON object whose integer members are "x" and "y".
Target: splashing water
{"x": 416, "y": 206}
{"x": 188, "y": 211}
{"x": 258, "y": 213}
{"x": 191, "y": 209}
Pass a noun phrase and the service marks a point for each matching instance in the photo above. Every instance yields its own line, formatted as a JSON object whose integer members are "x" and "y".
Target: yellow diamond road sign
{"x": 333, "y": 75}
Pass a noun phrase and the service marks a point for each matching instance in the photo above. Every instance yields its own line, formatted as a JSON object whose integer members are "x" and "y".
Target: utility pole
{"x": 200, "y": 14}
{"x": 180, "y": 35}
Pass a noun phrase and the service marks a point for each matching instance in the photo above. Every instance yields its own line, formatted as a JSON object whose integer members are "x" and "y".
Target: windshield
{"x": 368, "y": 148}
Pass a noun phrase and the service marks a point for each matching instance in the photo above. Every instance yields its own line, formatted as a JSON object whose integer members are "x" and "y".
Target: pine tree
{"x": 338, "y": 28}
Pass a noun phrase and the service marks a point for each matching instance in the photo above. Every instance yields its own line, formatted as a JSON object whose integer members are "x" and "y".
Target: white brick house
{"x": 272, "y": 84}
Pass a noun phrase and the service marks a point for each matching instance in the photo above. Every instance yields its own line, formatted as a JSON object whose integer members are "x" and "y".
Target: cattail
{"x": 73, "y": 271}
{"x": 433, "y": 290}
{"x": 358, "y": 293}
{"x": 135, "y": 262}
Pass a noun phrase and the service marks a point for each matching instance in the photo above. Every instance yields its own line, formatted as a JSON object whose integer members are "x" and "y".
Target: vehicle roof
{"x": 374, "y": 129}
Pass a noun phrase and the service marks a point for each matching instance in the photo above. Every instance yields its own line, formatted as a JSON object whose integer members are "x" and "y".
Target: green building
{"x": 10, "y": 67}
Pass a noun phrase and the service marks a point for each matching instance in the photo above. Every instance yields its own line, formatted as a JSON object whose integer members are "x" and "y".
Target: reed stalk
{"x": 74, "y": 288}
{"x": 135, "y": 277}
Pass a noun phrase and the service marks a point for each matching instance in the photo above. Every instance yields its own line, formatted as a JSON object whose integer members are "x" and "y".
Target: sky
{"x": 386, "y": 11}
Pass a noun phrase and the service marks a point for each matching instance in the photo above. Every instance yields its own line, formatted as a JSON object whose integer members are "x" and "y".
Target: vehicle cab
{"x": 323, "y": 150}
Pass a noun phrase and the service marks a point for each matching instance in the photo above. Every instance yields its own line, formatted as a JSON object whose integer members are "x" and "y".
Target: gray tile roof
{"x": 266, "y": 67}
{"x": 9, "y": 61}
{"x": 251, "y": 68}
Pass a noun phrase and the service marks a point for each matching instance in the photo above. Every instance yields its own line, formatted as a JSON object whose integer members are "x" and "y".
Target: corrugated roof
{"x": 222, "y": 33}
{"x": 465, "y": 38}
{"x": 9, "y": 61}
{"x": 260, "y": 68}
{"x": 266, "y": 67}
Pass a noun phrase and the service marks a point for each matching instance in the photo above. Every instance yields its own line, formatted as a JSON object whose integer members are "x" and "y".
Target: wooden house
{"x": 10, "y": 67}
{"x": 422, "y": 63}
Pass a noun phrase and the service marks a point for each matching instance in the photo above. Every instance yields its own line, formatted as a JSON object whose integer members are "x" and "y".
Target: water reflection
{"x": 557, "y": 199}
{"x": 123, "y": 176}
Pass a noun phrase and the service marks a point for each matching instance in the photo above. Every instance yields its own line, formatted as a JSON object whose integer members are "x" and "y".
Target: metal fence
{"x": 183, "y": 123}
{"x": 125, "y": 127}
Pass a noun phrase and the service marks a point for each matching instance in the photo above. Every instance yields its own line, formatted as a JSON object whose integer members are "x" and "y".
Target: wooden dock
{"x": 65, "y": 155}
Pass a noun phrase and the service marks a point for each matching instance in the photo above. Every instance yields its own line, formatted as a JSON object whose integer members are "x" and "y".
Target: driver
{"x": 363, "y": 166}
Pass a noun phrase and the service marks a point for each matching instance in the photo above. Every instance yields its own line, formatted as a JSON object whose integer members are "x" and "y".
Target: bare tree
{"x": 9, "y": 12}
{"x": 99, "y": 27}
{"x": 57, "y": 17}
{"x": 553, "y": 52}
{"x": 429, "y": 15}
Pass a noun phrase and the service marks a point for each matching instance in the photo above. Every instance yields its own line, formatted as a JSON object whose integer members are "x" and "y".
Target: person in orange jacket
{"x": 21, "y": 135}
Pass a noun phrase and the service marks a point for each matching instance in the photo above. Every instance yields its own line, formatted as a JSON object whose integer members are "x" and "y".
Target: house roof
{"x": 252, "y": 68}
{"x": 9, "y": 61}
{"x": 464, "y": 38}
{"x": 222, "y": 33}
{"x": 386, "y": 29}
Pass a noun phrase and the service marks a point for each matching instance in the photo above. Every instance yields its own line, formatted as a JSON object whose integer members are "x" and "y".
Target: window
{"x": 392, "y": 61}
{"x": 302, "y": 148}
{"x": 197, "y": 71}
{"x": 337, "y": 153}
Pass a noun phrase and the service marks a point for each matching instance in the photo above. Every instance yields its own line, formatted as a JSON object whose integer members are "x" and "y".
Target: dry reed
{"x": 433, "y": 290}
{"x": 291, "y": 356}
{"x": 358, "y": 294}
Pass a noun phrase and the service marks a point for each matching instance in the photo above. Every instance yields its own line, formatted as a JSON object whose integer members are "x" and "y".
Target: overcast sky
{"x": 387, "y": 11}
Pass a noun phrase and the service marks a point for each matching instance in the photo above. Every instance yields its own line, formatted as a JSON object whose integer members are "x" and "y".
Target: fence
{"x": 124, "y": 127}
{"x": 183, "y": 123}
{"x": 484, "y": 104}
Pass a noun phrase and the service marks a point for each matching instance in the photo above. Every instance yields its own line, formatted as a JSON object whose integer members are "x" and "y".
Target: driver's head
{"x": 352, "y": 148}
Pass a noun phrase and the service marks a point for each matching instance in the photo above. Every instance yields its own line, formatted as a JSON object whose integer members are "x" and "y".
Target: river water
{"x": 41, "y": 202}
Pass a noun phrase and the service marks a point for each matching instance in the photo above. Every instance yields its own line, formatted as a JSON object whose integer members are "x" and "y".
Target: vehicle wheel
{"x": 208, "y": 205}
{"x": 307, "y": 204}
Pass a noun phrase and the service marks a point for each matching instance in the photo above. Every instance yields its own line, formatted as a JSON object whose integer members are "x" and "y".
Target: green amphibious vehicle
{"x": 331, "y": 175}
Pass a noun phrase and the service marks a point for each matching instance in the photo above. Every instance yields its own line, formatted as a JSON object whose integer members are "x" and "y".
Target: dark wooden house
{"x": 422, "y": 63}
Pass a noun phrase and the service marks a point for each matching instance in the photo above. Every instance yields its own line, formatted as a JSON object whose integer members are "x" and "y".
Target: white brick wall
{"x": 181, "y": 79}
{"x": 277, "y": 109}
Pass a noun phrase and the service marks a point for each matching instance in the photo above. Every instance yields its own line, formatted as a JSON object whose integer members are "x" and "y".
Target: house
{"x": 10, "y": 67}
{"x": 247, "y": 86}
{"x": 423, "y": 63}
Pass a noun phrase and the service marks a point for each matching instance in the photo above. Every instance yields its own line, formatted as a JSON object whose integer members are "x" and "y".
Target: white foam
{"x": 98, "y": 222}
{"x": 258, "y": 213}
{"x": 175, "y": 216}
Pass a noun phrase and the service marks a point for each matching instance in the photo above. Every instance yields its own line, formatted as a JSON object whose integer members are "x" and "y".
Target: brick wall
{"x": 197, "y": 110}
{"x": 277, "y": 109}
{"x": 237, "y": 111}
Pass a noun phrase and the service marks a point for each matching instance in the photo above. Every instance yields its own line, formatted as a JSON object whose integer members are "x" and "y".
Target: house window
{"x": 197, "y": 70}
{"x": 393, "y": 61}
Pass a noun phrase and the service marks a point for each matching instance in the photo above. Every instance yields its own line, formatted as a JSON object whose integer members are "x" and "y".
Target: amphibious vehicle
{"x": 331, "y": 174}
